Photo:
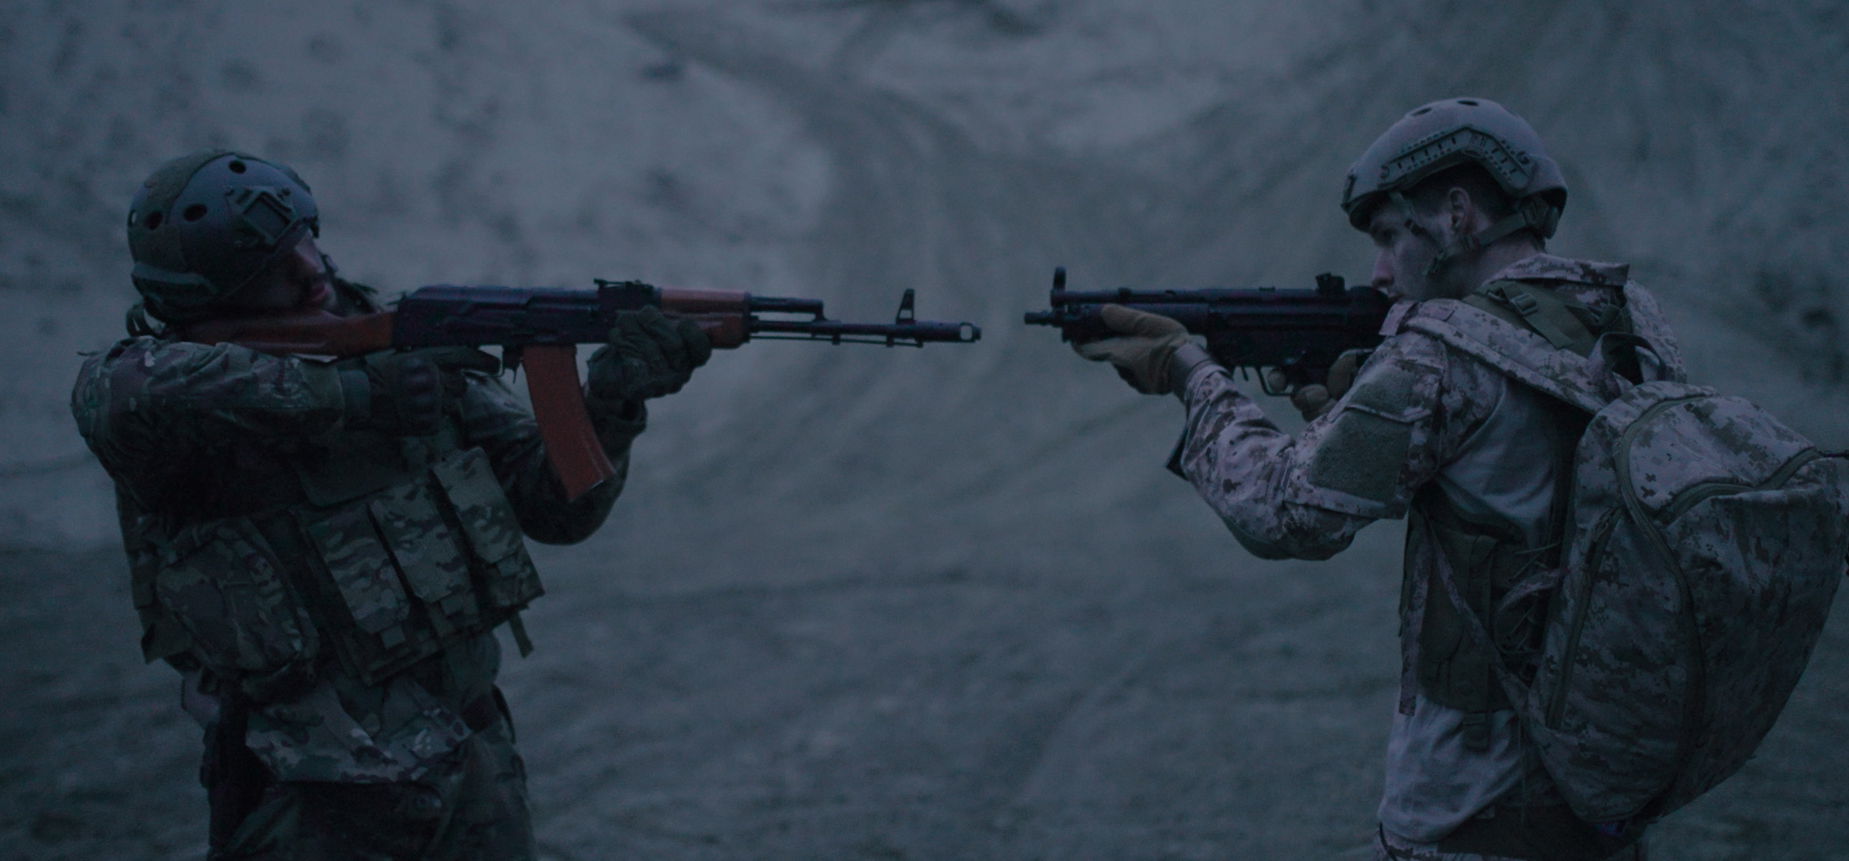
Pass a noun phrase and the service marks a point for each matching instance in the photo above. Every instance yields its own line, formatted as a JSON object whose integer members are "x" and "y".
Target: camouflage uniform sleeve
{"x": 145, "y": 397}
{"x": 503, "y": 426}
{"x": 1306, "y": 497}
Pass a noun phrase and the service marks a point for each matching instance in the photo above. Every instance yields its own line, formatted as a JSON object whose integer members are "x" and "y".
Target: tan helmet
{"x": 1446, "y": 133}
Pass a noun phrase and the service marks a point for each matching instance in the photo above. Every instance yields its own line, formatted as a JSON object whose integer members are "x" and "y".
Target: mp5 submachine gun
{"x": 1297, "y": 332}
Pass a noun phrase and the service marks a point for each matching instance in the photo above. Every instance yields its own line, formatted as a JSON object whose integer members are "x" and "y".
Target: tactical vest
{"x": 1490, "y": 560}
{"x": 384, "y": 551}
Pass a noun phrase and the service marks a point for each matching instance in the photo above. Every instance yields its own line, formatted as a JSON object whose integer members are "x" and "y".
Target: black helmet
{"x": 1446, "y": 133}
{"x": 203, "y": 225}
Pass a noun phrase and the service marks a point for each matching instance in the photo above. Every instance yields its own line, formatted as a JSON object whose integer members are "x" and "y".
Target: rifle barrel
{"x": 830, "y": 330}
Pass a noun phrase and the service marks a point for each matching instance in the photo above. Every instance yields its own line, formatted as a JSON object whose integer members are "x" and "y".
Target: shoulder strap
{"x": 1511, "y": 348}
{"x": 1648, "y": 322}
{"x": 1566, "y": 324}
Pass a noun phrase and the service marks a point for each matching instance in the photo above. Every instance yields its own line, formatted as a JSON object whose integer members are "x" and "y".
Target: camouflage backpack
{"x": 1704, "y": 541}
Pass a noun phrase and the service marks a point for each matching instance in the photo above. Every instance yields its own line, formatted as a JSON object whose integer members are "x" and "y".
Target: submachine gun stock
{"x": 540, "y": 328}
{"x": 1297, "y": 332}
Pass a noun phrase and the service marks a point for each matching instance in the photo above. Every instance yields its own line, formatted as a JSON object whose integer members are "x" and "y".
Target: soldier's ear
{"x": 1461, "y": 210}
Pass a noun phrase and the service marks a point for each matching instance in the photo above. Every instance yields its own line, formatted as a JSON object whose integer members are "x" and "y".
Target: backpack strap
{"x": 1647, "y": 322}
{"x": 1510, "y": 347}
{"x": 1566, "y": 324}
{"x": 1840, "y": 455}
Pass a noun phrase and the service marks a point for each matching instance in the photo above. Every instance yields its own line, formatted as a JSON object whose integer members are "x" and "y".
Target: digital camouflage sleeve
{"x": 1408, "y": 412}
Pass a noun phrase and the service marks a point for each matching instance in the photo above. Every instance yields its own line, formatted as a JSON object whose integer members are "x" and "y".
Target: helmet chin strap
{"x": 1531, "y": 213}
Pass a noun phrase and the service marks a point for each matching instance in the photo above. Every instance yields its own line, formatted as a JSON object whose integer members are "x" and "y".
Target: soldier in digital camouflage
{"x": 323, "y": 549}
{"x": 1459, "y": 198}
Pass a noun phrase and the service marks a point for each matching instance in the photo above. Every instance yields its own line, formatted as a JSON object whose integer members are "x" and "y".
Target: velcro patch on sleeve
{"x": 1363, "y": 451}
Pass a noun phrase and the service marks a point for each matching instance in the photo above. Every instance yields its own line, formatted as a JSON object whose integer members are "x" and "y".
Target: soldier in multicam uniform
{"x": 323, "y": 549}
{"x": 1459, "y": 198}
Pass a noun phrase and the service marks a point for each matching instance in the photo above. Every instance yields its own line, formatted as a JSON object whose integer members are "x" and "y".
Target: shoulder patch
{"x": 1362, "y": 452}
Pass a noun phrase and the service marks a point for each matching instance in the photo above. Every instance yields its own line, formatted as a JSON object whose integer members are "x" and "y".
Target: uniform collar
{"x": 1551, "y": 268}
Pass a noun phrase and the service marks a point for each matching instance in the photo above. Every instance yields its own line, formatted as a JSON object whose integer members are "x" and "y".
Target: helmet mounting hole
{"x": 237, "y": 166}
{"x": 194, "y": 212}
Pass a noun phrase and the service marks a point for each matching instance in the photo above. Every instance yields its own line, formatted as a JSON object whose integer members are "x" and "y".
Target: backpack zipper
{"x": 1697, "y": 494}
{"x": 1687, "y": 499}
{"x": 1679, "y": 505}
{"x": 1621, "y": 453}
{"x": 1556, "y": 705}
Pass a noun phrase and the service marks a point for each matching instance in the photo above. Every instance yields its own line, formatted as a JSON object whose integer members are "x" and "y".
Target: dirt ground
{"x": 871, "y": 603}
{"x": 879, "y": 713}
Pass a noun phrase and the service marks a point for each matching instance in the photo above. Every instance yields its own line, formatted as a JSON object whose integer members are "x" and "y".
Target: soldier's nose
{"x": 1382, "y": 277}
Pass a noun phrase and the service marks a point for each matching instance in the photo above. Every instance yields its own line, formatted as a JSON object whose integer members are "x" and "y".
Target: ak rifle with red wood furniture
{"x": 540, "y": 328}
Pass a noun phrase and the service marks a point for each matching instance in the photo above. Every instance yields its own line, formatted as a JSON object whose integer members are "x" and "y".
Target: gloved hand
{"x": 1142, "y": 350}
{"x": 1315, "y": 400}
{"x": 403, "y": 393}
{"x": 649, "y": 355}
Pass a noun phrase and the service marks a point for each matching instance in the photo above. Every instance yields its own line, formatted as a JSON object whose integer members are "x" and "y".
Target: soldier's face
{"x": 298, "y": 281}
{"x": 1404, "y": 247}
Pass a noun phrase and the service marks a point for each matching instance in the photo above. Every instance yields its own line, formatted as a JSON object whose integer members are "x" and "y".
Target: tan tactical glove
{"x": 1313, "y": 400}
{"x": 1142, "y": 350}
